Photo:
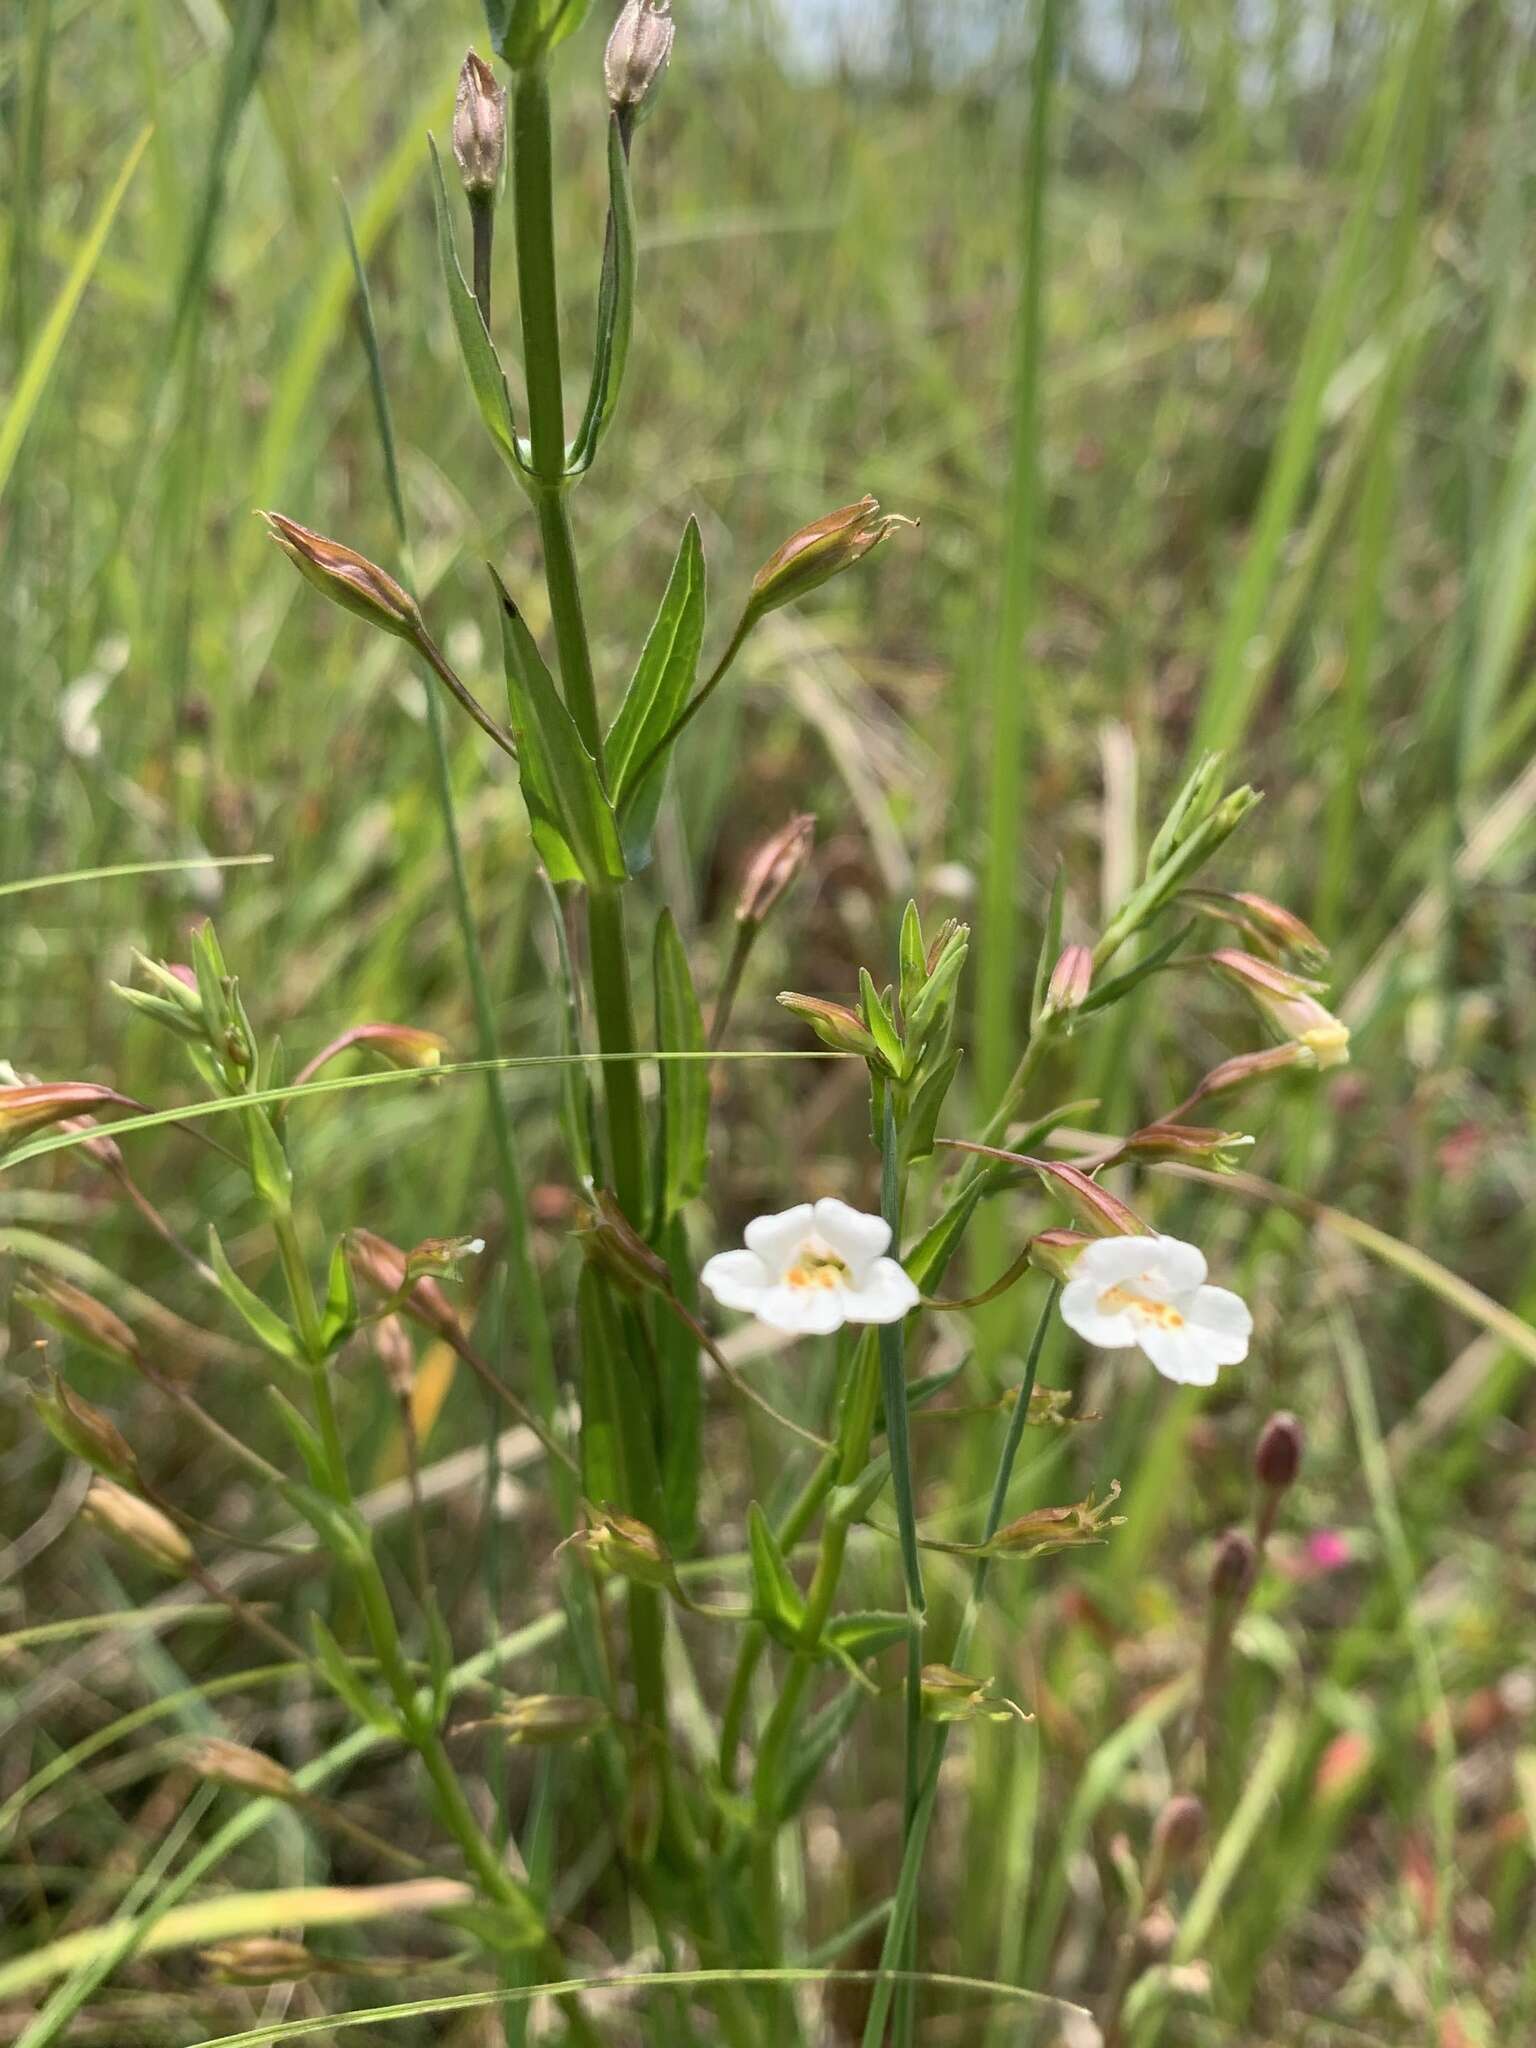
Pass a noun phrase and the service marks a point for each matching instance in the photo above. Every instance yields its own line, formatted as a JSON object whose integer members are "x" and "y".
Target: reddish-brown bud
{"x": 479, "y": 126}
{"x": 241, "y": 1769}
{"x": 1234, "y": 1567}
{"x": 34, "y": 1105}
{"x": 1193, "y": 1144}
{"x": 835, "y": 1025}
{"x": 1269, "y": 926}
{"x": 775, "y": 864}
{"x": 819, "y": 551}
{"x": 635, "y": 61}
{"x": 348, "y": 578}
{"x": 1288, "y": 1003}
{"x": 84, "y": 1431}
{"x": 1277, "y": 1455}
{"x": 1071, "y": 979}
{"x": 74, "y": 1313}
{"x": 141, "y": 1527}
{"x": 388, "y": 1271}
{"x": 1177, "y": 1831}
{"x": 1249, "y": 1067}
{"x": 1100, "y": 1212}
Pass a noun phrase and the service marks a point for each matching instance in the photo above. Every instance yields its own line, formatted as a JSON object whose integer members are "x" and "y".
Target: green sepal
{"x": 881, "y": 1024}
{"x": 864, "y": 1635}
{"x": 1050, "y": 944}
{"x": 851, "y": 1503}
{"x": 914, "y": 958}
{"x": 922, "y": 1121}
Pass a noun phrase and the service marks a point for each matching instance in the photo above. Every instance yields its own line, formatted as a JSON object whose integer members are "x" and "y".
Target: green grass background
{"x": 1283, "y": 503}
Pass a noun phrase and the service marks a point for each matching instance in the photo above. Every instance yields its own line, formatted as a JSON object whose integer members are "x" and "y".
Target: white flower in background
{"x": 1151, "y": 1291}
{"x": 812, "y": 1269}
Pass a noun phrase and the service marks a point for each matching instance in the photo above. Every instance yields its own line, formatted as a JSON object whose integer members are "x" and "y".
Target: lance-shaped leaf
{"x": 267, "y": 1325}
{"x": 615, "y": 307}
{"x": 618, "y": 1450}
{"x": 776, "y": 1599}
{"x": 682, "y": 1398}
{"x": 864, "y": 1634}
{"x": 481, "y": 362}
{"x": 662, "y": 681}
{"x": 572, "y": 820}
{"x": 684, "y": 1082}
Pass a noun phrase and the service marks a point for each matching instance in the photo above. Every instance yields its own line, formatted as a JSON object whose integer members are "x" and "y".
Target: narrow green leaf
{"x": 618, "y": 1449}
{"x": 776, "y": 1599}
{"x": 881, "y": 1024}
{"x": 662, "y": 682}
{"x": 922, "y": 1119}
{"x": 341, "y": 1310}
{"x": 615, "y": 307}
{"x": 682, "y": 1400}
{"x": 267, "y": 1325}
{"x": 481, "y": 362}
{"x": 305, "y": 1440}
{"x": 684, "y": 1083}
{"x": 560, "y": 781}
{"x": 865, "y": 1635}
{"x": 345, "y": 1682}
{"x": 1050, "y": 943}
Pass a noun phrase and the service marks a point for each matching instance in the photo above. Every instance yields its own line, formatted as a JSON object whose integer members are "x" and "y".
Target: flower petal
{"x": 852, "y": 1234}
{"x": 885, "y": 1296}
{"x": 1110, "y": 1260}
{"x": 1184, "y": 1355}
{"x": 806, "y": 1311}
{"x": 1181, "y": 1265}
{"x": 1080, "y": 1311}
{"x": 736, "y": 1279}
{"x": 776, "y": 1239}
{"x": 1224, "y": 1321}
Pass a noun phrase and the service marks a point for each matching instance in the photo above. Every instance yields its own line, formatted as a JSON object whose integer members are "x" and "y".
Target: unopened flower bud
{"x": 1156, "y": 1932}
{"x": 387, "y": 1270}
{"x": 348, "y": 578}
{"x": 772, "y": 868}
{"x": 627, "y": 1546}
{"x": 1056, "y": 1251}
{"x": 84, "y": 1431}
{"x": 835, "y": 1025}
{"x": 1234, "y": 1567}
{"x": 614, "y": 1241}
{"x": 1194, "y": 1144}
{"x": 1287, "y": 1003}
{"x": 1277, "y": 1455}
{"x": 820, "y": 551}
{"x": 74, "y": 1313}
{"x": 34, "y": 1105}
{"x": 635, "y": 61}
{"x": 479, "y": 126}
{"x": 1269, "y": 926}
{"x": 1071, "y": 979}
{"x": 1248, "y": 1067}
{"x": 243, "y": 1770}
{"x": 541, "y": 1719}
{"x": 394, "y": 1351}
{"x": 1094, "y": 1207}
{"x": 403, "y": 1046}
{"x": 1178, "y": 1829}
{"x": 950, "y": 1695}
{"x": 141, "y": 1527}
{"x": 261, "y": 1959}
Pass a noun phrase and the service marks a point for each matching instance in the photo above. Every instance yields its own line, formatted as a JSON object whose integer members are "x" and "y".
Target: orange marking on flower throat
{"x": 1163, "y": 1313}
{"x": 817, "y": 1266}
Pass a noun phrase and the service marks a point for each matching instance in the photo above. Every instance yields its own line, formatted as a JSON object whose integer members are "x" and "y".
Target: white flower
{"x": 811, "y": 1270}
{"x": 1151, "y": 1291}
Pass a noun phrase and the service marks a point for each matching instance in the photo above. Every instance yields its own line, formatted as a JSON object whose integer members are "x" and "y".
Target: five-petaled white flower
{"x": 811, "y": 1270}
{"x": 1151, "y": 1291}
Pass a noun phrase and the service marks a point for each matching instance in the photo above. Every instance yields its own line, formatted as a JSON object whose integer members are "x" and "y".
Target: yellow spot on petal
{"x": 1142, "y": 1307}
{"x": 817, "y": 1265}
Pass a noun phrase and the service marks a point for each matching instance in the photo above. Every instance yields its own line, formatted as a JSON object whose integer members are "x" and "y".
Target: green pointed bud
{"x": 820, "y": 551}
{"x": 615, "y": 1243}
{"x": 348, "y": 578}
{"x": 1056, "y": 1251}
{"x": 835, "y": 1025}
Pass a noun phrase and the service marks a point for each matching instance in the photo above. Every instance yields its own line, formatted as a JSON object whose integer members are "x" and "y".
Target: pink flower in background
{"x": 1328, "y": 1551}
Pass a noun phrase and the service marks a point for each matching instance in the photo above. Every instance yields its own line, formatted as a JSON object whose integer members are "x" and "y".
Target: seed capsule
{"x": 479, "y": 126}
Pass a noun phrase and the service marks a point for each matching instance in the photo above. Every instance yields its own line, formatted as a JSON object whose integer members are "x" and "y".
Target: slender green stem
{"x": 482, "y": 218}
{"x": 614, "y": 1009}
{"x": 911, "y": 1862}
